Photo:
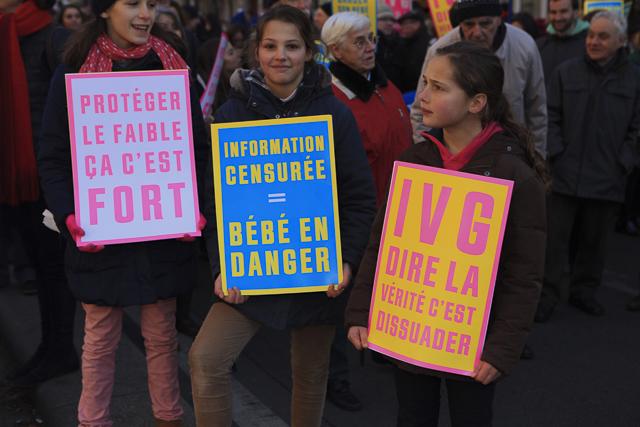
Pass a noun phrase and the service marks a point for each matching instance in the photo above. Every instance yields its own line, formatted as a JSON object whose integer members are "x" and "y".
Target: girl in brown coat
{"x": 473, "y": 130}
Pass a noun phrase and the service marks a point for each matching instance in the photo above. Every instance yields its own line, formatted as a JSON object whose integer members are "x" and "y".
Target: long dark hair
{"x": 478, "y": 70}
{"x": 80, "y": 43}
{"x": 283, "y": 13}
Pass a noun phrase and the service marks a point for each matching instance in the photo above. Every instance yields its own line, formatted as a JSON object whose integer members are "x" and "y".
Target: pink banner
{"x": 206, "y": 100}
{"x": 400, "y": 7}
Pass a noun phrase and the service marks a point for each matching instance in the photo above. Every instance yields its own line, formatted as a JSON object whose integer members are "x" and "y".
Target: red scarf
{"x": 18, "y": 172}
{"x": 104, "y": 52}
{"x": 456, "y": 162}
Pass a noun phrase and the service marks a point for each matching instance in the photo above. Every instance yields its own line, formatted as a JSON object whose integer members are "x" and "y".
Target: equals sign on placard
{"x": 277, "y": 197}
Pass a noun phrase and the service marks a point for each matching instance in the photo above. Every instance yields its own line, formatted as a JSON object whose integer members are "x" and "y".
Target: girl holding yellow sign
{"x": 288, "y": 83}
{"x": 474, "y": 131}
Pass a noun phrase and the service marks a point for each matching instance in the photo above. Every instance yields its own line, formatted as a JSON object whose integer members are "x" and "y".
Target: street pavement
{"x": 585, "y": 370}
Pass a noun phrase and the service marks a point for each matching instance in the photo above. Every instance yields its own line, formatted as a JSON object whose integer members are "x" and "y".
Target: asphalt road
{"x": 584, "y": 373}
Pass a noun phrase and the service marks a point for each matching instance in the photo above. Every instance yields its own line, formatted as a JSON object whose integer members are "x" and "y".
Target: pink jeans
{"x": 103, "y": 327}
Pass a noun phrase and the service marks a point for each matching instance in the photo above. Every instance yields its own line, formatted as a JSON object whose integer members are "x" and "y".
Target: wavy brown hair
{"x": 478, "y": 70}
{"x": 80, "y": 43}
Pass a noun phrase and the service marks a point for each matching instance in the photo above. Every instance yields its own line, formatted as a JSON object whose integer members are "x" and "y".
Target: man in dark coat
{"x": 388, "y": 39}
{"x": 566, "y": 36}
{"x": 594, "y": 116}
{"x": 406, "y": 64}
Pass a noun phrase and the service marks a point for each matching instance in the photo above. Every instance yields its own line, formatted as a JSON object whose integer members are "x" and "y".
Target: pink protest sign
{"x": 206, "y": 100}
{"x": 132, "y": 154}
{"x": 437, "y": 266}
{"x": 399, "y": 7}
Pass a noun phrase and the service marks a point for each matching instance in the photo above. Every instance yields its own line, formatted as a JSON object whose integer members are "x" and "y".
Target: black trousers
{"x": 595, "y": 221}
{"x": 470, "y": 403}
{"x": 45, "y": 250}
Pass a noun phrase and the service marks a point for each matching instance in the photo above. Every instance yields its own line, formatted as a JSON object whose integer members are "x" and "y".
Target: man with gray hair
{"x": 594, "y": 116}
{"x": 523, "y": 77}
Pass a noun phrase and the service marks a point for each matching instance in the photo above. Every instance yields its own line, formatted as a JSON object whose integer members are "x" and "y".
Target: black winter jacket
{"x": 42, "y": 54}
{"x": 121, "y": 275}
{"x": 593, "y": 126}
{"x": 555, "y": 50}
{"x": 251, "y": 100}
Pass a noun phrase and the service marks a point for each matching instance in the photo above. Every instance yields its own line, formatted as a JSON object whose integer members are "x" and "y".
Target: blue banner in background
{"x": 276, "y": 205}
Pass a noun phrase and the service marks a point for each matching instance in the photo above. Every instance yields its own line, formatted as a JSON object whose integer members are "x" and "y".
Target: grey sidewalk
{"x": 585, "y": 371}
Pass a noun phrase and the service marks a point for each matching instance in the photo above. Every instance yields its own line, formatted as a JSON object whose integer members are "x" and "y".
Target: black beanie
{"x": 99, "y": 6}
{"x": 474, "y": 8}
{"x": 327, "y": 8}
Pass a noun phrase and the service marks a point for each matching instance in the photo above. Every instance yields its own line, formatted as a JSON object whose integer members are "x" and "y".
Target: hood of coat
{"x": 243, "y": 81}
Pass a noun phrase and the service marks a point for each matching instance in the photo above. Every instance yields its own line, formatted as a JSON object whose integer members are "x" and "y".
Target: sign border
{"x": 494, "y": 272}
{"x": 217, "y": 174}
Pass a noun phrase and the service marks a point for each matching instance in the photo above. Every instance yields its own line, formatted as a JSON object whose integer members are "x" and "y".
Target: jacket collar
{"x": 577, "y": 29}
{"x": 356, "y": 83}
{"x": 498, "y": 143}
{"x": 618, "y": 64}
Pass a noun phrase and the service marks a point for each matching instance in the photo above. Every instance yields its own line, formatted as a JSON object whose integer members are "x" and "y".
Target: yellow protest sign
{"x": 367, "y": 8}
{"x": 437, "y": 266}
{"x": 440, "y": 15}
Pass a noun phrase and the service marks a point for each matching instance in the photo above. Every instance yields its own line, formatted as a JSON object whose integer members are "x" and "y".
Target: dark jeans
{"x": 470, "y": 403}
{"x": 594, "y": 221}
{"x": 45, "y": 250}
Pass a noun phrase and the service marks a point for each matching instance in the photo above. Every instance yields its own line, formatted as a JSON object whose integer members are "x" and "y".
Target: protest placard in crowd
{"x": 440, "y": 15}
{"x": 207, "y": 98}
{"x": 437, "y": 266}
{"x": 132, "y": 154}
{"x": 276, "y": 205}
{"x": 367, "y": 8}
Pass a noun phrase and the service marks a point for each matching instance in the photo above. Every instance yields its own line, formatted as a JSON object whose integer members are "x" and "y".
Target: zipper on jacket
{"x": 379, "y": 96}
{"x": 405, "y": 125}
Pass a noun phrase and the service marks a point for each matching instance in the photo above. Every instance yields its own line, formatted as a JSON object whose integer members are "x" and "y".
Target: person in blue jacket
{"x": 122, "y": 37}
{"x": 288, "y": 83}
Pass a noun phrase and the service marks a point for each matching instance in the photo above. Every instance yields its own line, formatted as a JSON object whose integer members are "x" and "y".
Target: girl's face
{"x": 232, "y": 59}
{"x": 282, "y": 54}
{"x": 129, "y": 22}
{"x": 444, "y": 104}
{"x": 71, "y": 19}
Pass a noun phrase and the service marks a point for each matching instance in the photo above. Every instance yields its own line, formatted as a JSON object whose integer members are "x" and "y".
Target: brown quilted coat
{"x": 521, "y": 266}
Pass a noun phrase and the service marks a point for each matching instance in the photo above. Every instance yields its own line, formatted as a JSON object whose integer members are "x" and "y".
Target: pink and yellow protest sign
{"x": 206, "y": 100}
{"x": 440, "y": 15}
{"x": 437, "y": 266}
{"x": 399, "y": 7}
{"x": 132, "y": 155}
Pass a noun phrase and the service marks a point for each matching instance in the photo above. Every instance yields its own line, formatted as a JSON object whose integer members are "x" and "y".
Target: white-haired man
{"x": 594, "y": 116}
{"x": 523, "y": 77}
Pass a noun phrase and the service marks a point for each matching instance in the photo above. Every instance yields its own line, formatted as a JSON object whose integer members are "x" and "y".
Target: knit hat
{"x": 99, "y": 6}
{"x": 384, "y": 11}
{"x": 413, "y": 15}
{"x": 474, "y": 8}
{"x": 326, "y": 8}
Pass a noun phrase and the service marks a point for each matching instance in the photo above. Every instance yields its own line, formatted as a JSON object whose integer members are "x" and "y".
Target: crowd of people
{"x": 556, "y": 110}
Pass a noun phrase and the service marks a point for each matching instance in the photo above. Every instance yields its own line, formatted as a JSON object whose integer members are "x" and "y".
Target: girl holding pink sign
{"x": 122, "y": 37}
{"x": 473, "y": 130}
